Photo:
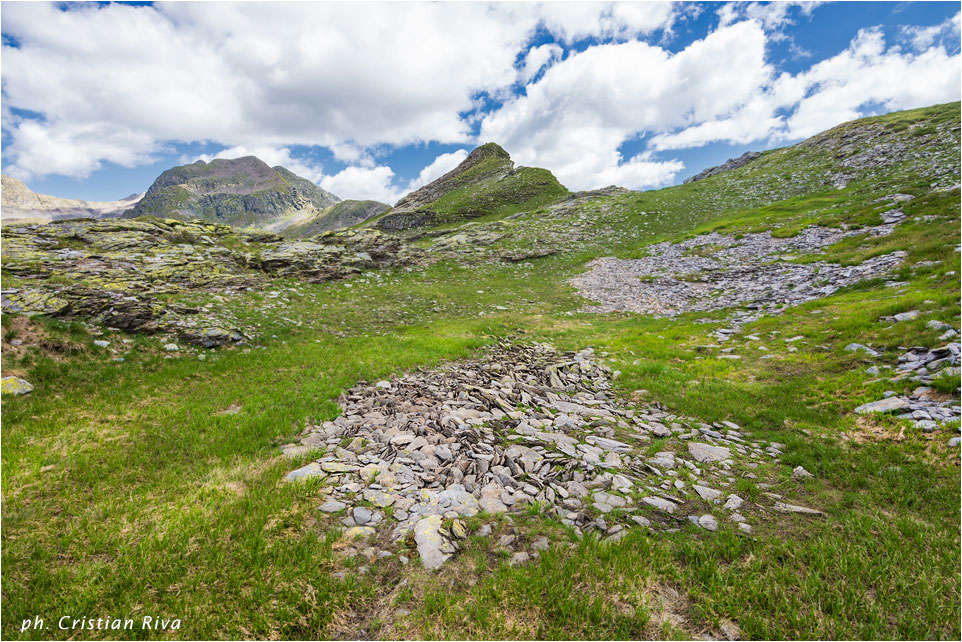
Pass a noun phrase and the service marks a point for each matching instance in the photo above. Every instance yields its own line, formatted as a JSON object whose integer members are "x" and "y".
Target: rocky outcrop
{"x": 337, "y": 216}
{"x": 138, "y": 275}
{"x": 485, "y": 183}
{"x": 243, "y": 192}
{"x": 19, "y": 202}
{"x": 730, "y": 164}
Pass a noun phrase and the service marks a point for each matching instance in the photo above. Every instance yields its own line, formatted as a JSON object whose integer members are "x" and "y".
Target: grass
{"x": 129, "y": 491}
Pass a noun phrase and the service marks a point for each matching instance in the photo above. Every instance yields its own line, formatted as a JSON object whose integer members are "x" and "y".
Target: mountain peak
{"x": 486, "y": 182}
{"x": 488, "y": 150}
{"x": 243, "y": 191}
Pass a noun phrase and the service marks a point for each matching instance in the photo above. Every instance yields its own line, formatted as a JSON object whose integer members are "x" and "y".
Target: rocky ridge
{"x": 122, "y": 273}
{"x": 525, "y": 426}
{"x": 17, "y": 201}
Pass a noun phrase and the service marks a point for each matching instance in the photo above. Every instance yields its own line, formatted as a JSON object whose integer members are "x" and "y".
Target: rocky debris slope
{"x": 869, "y": 146}
{"x": 127, "y": 274}
{"x": 525, "y": 426}
{"x": 730, "y": 164}
{"x": 714, "y": 271}
{"x": 243, "y": 192}
{"x": 486, "y": 182}
{"x": 17, "y": 201}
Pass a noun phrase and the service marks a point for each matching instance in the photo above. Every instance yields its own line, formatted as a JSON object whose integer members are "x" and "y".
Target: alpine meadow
{"x": 487, "y": 401}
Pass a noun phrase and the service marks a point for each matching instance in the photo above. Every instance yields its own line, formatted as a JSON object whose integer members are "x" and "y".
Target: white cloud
{"x": 772, "y": 16}
{"x": 73, "y": 149}
{"x": 440, "y": 166}
{"x": 364, "y": 183}
{"x": 947, "y": 33}
{"x": 120, "y": 83}
{"x": 830, "y": 92}
{"x": 576, "y": 117}
{"x": 537, "y": 58}
{"x": 573, "y": 21}
{"x": 345, "y": 76}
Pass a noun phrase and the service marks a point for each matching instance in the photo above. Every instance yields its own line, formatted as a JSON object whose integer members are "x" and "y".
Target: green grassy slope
{"x": 152, "y": 486}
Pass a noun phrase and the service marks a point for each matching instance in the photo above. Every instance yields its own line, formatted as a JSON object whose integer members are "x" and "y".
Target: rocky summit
{"x": 243, "y": 192}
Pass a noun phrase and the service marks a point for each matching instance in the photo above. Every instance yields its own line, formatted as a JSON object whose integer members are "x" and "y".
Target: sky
{"x": 373, "y": 100}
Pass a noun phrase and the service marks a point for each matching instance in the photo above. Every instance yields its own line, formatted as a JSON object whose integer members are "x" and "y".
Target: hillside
{"x": 18, "y": 202}
{"x": 242, "y": 192}
{"x": 346, "y": 213}
{"x": 727, "y": 409}
{"x": 485, "y": 184}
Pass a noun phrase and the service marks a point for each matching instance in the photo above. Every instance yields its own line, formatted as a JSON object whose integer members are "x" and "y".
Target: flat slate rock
{"x": 883, "y": 405}
{"x": 706, "y": 454}
{"x": 313, "y": 469}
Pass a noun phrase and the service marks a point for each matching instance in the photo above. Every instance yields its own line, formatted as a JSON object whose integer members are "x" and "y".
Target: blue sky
{"x": 372, "y": 100}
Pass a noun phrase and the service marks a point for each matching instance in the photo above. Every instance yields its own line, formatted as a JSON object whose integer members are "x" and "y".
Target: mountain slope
{"x": 243, "y": 192}
{"x": 486, "y": 183}
{"x": 346, "y": 213}
{"x": 19, "y": 202}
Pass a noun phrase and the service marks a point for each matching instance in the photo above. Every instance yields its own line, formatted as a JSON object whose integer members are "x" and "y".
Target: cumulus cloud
{"x": 537, "y": 58}
{"x": 255, "y": 74}
{"x": 947, "y": 33}
{"x": 364, "y": 183}
{"x": 831, "y": 92}
{"x": 90, "y": 84}
{"x": 772, "y": 16}
{"x": 573, "y": 21}
{"x": 576, "y": 117}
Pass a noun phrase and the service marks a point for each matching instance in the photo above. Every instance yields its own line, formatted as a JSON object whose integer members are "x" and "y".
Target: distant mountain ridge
{"x": 346, "y": 213}
{"x": 19, "y": 202}
{"x": 242, "y": 192}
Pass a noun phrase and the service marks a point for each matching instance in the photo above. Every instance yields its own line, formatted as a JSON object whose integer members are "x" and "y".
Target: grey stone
{"x": 313, "y": 469}
{"x": 708, "y": 494}
{"x": 906, "y": 316}
{"x": 15, "y": 386}
{"x": 332, "y": 506}
{"x": 799, "y": 473}
{"x": 429, "y": 542}
{"x": 708, "y": 522}
{"x": 705, "y": 453}
{"x": 858, "y": 347}
{"x": 884, "y": 405}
